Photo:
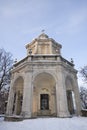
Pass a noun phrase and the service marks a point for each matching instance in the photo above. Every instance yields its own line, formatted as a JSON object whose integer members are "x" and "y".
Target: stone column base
{"x": 63, "y": 115}
{"x": 26, "y": 114}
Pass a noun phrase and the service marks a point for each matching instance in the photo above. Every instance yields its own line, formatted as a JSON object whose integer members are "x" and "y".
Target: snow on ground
{"x": 75, "y": 123}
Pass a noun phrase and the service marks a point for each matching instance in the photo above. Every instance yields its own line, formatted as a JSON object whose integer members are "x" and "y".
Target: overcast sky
{"x": 63, "y": 20}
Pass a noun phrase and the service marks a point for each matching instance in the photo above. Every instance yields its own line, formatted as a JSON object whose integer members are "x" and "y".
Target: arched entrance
{"x": 70, "y": 95}
{"x": 44, "y": 95}
{"x": 18, "y": 95}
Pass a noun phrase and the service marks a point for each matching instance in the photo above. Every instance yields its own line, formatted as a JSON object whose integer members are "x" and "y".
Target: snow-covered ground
{"x": 75, "y": 123}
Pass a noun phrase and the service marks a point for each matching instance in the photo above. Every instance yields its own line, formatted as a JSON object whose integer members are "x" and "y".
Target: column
{"x": 77, "y": 98}
{"x": 35, "y": 102}
{"x": 16, "y": 104}
{"x": 10, "y": 102}
{"x": 17, "y": 110}
{"x": 62, "y": 108}
{"x": 27, "y": 96}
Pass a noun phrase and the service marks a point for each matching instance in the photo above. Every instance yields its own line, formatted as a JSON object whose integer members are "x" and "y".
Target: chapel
{"x": 43, "y": 83}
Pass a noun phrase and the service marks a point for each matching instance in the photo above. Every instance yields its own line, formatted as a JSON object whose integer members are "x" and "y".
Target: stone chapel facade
{"x": 43, "y": 83}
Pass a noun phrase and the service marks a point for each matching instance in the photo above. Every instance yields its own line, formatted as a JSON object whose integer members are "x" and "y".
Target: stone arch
{"x": 19, "y": 75}
{"x": 45, "y": 71}
{"x": 44, "y": 93}
{"x": 18, "y": 87}
{"x": 69, "y": 83}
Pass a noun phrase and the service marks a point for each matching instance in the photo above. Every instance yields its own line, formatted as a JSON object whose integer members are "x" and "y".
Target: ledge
{"x": 13, "y": 118}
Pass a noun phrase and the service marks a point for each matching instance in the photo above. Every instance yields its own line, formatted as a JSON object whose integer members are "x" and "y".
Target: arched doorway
{"x": 70, "y": 95}
{"x": 18, "y": 95}
{"x": 44, "y": 95}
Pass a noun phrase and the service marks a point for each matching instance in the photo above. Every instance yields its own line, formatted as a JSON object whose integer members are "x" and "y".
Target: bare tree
{"x": 5, "y": 67}
{"x": 83, "y": 72}
{"x": 83, "y": 96}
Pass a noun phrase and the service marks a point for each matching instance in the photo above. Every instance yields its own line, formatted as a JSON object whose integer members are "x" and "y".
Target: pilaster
{"x": 62, "y": 109}
{"x": 10, "y": 102}
{"x": 77, "y": 99}
{"x": 27, "y": 96}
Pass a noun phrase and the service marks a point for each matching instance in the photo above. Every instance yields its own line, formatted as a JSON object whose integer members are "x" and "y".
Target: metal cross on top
{"x": 43, "y": 31}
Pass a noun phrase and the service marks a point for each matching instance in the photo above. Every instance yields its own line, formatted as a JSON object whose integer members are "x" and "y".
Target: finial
{"x": 15, "y": 61}
{"x": 30, "y": 51}
{"x": 43, "y": 31}
{"x": 72, "y": 61}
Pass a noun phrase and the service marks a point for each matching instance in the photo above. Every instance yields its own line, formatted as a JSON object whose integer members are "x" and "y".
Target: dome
{"x": 43, "y": 36}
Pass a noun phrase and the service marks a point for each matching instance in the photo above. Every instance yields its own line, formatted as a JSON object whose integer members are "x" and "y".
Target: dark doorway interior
{"x": 70, "y": 102}
{"x": 44, "y": 102}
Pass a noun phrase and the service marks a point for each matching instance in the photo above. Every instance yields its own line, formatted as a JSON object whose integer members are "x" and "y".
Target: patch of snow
{"x": 75, "y": 123}
{"x": 2, "y": 115}
{"x": 84, "y": 109}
